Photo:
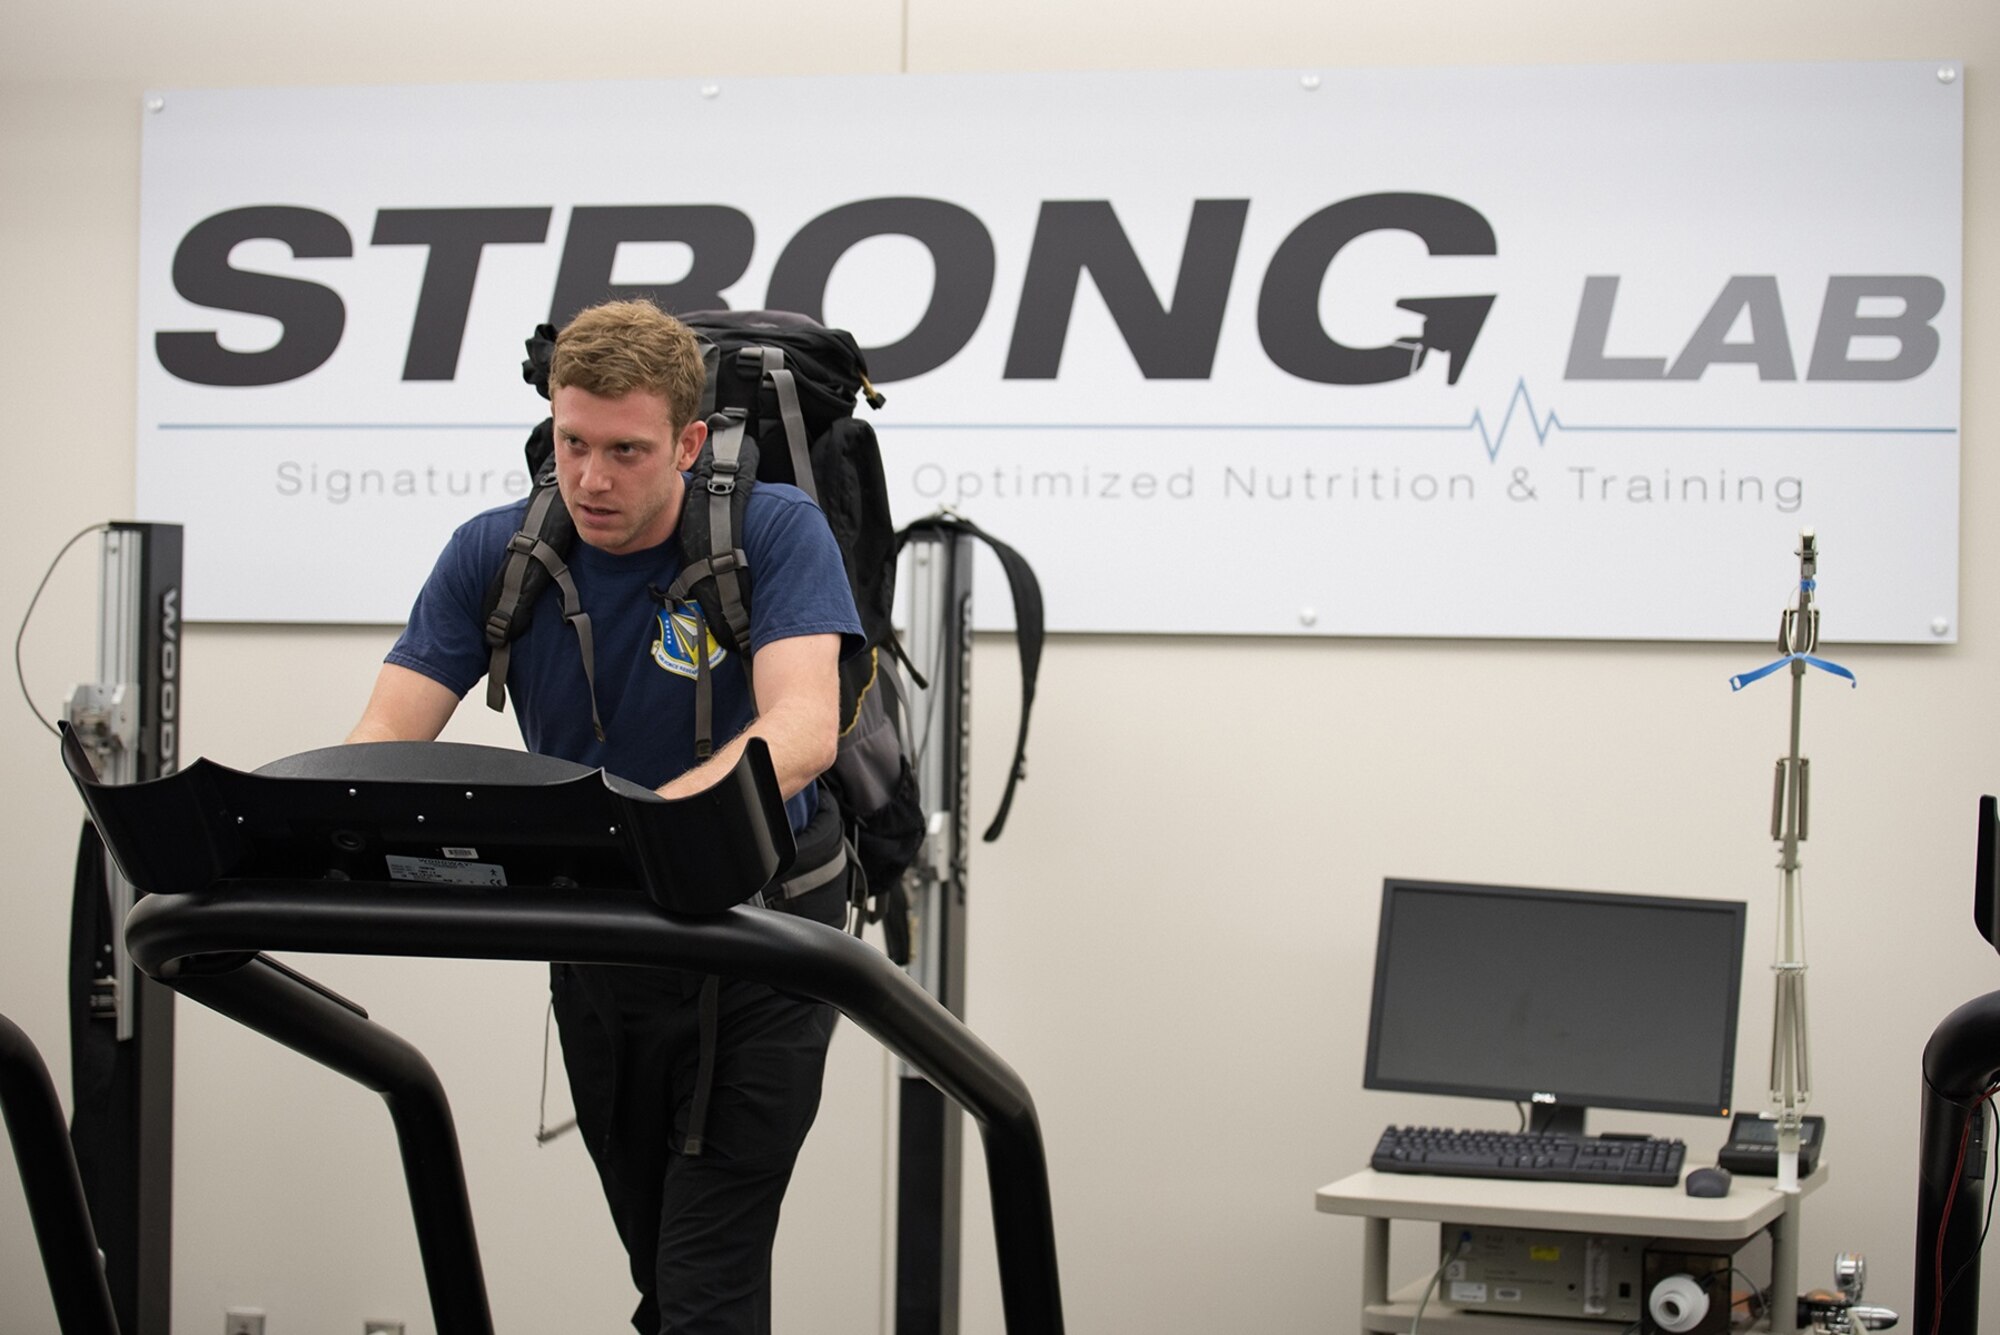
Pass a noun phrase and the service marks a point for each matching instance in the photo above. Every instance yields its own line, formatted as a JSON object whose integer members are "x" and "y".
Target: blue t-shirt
{"x": 645, "y": 659}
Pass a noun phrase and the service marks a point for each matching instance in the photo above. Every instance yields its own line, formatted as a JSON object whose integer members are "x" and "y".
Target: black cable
{"x": 1992, "y": 1188}
{"x": 1753, "y": 1303}
{"x": 1944, "y": 1220}
{"x": 19, "y": 675}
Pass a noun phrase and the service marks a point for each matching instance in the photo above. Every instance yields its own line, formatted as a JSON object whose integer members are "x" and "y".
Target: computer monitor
{"x": 1561, "y": 1000}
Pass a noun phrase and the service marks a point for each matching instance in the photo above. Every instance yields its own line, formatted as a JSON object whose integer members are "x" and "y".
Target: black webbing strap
{"x": 708, "y": 1009}
{"x": 704, "y": 682}
{"x": 704, "y": 1075}
{"x": 496, "y": 675}
{"x": 1028, "y": 629}
{"x": 711, "y": 361}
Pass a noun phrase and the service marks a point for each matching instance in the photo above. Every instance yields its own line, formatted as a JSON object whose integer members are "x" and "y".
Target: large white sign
{"x": 1560, "y": 352}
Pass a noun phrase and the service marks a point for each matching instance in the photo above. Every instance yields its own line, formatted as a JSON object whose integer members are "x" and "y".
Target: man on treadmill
{"x": 694, "y": 1158}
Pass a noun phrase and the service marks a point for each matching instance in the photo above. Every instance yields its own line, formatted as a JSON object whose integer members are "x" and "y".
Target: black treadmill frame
{"x": 206, "y": 943}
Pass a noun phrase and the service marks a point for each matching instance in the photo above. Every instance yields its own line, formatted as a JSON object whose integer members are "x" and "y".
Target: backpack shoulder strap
{"x": 507, "y": 613}
{"x": 534, "y": 559}
{"x": 715, "y": 570}
{"x": 785, "y": 385}
{"x": 1028, "y": 632}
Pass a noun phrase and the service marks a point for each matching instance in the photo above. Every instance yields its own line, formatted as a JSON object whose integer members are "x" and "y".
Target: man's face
{"x": 618, "y": 466}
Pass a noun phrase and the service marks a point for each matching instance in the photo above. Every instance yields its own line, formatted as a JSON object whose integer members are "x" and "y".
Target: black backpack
{"x": 779, "y": 403}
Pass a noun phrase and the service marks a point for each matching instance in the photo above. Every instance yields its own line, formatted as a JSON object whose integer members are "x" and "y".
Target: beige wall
{"x": 1172, "y": 942}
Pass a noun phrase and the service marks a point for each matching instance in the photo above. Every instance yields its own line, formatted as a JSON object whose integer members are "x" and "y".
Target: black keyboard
{"x": 1638, "y": 1161}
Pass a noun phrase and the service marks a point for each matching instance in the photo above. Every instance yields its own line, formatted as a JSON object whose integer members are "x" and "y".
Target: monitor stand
{"x": 1556, "y": 1119}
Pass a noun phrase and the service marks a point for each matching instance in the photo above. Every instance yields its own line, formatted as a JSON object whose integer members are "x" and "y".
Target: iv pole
{"x": 1791, "y": 1073}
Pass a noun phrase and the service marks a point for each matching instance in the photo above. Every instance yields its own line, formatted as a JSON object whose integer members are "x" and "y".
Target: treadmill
{"x": 476, "y": 852}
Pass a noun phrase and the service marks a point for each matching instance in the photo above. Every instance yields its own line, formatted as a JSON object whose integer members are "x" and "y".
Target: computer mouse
{"x": 1708, "y": 1182}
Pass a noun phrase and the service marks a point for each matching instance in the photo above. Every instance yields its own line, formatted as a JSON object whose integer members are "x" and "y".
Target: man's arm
{"x": 797, "y": 683}
{"x": 406, "y": 706}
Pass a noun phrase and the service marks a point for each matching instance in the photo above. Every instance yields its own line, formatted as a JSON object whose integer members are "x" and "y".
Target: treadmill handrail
{"x": 168, "y": 935}
{"x": 54, "y": 1188}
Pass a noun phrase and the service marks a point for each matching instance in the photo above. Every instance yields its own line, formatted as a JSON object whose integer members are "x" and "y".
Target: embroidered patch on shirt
{"x": 674, "y": 650}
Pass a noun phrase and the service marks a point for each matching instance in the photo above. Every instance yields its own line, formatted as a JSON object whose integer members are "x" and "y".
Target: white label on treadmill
{"x": 451, "y": 852}
{"x": 1468, "y": 1293}
{"x": 437, "y": 869}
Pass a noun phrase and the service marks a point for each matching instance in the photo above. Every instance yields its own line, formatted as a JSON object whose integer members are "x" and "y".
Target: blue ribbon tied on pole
{"x": 1737, "y": 683}
{"x": 1806, "y": 588}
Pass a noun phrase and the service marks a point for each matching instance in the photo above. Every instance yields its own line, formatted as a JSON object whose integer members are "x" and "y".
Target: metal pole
{"x": 1791, "y": 1075}
{"x": 930, "y": 1132}
{"x": 121, "y": 1031}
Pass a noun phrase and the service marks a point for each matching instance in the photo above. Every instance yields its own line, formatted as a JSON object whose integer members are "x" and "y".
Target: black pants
{"x": 697, "y": 1229}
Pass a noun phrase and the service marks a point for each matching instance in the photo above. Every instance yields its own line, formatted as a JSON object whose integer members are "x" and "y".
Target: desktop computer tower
{"x": 1662, "y": 1288}
{"x": 1543, "y": 1272}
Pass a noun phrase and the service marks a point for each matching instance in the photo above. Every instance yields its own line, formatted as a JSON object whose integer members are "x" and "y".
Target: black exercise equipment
{"x": 1961, "y": 1062}
{"x": 54, "y": 1188}
{"x": 442, "y": 849}
{"x": 1961, "y": 1067}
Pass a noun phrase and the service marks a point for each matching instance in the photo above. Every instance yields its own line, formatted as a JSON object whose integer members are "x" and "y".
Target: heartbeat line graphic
{"x": 1542, "y": 426}
{"x": 1491, "y": 438}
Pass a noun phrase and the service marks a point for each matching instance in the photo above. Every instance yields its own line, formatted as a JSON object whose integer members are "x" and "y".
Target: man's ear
{"x": 689, "y": 445}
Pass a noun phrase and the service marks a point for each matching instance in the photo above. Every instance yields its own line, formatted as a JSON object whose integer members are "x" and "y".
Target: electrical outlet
{"x": 382, "y": 1328}
{"x": 243, "y": 1321}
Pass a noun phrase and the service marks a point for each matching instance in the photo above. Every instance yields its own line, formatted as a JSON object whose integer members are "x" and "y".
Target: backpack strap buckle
{"x": 725, "y": 452}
